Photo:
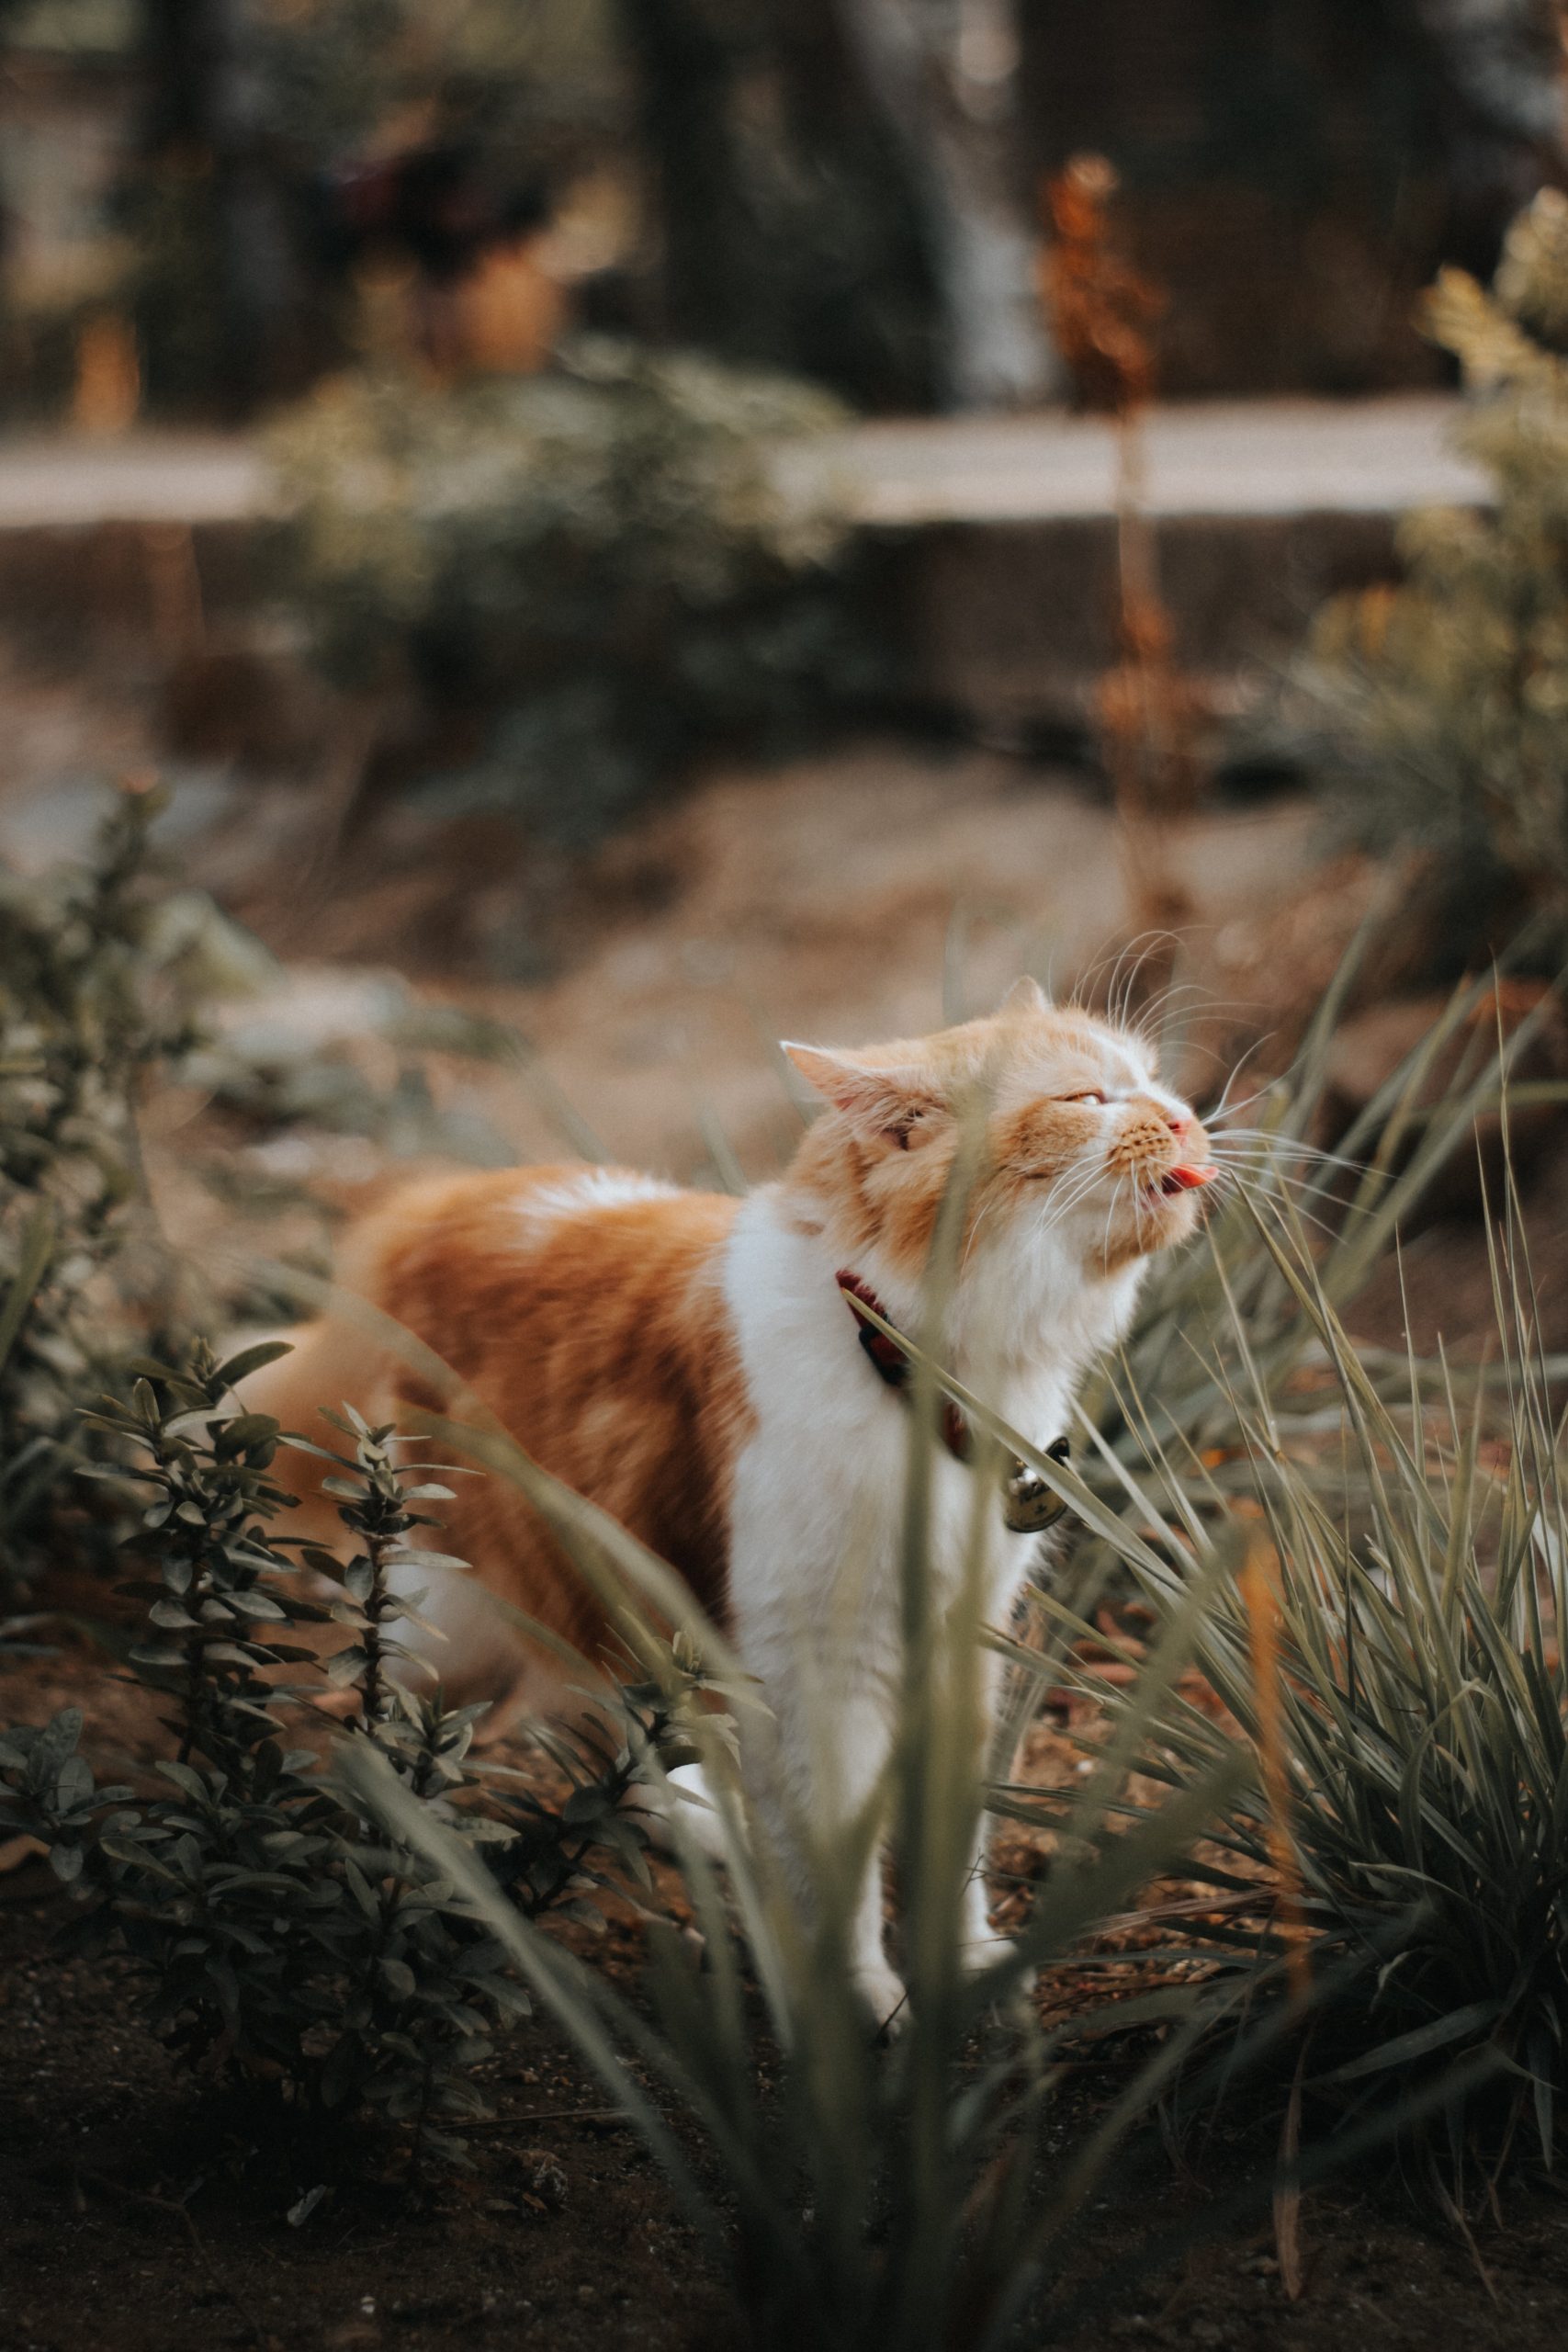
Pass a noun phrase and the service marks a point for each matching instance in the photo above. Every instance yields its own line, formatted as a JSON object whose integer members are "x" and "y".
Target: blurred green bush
{"x": 115, "y": 982}
{"x": 597, "y": 570}
{"x": 1437, "y": 709}
{"x": 100, "y": 975}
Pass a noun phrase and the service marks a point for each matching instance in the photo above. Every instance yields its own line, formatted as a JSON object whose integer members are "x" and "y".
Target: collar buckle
{"x": 1029, "y": 1504}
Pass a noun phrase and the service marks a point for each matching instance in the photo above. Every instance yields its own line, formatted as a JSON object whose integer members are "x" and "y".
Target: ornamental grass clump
{"x": 1413, "y": 1854}
{"x": 282, "y": 1940}
{"x": 909, "y": 2195}
{"x": 1225, "y": 1321}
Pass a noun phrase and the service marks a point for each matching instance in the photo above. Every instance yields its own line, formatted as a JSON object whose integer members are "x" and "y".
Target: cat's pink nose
{"x": 1178, "y": 1121}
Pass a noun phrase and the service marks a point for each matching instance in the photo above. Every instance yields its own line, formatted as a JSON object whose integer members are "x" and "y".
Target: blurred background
{"x": 646, "y": 526}
{"x": 205, "y": 202}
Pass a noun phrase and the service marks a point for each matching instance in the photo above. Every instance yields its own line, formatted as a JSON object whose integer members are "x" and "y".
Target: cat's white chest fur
{"x": 820, "y": 1486}
{"x": 817, "y": 1517}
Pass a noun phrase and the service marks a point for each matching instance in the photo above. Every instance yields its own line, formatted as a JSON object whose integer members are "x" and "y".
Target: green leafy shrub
{"x": 113, "y": 981}
{"x": 1436, "y": 708}
{"x": 100, "y": 972}
{"x": 278, "y": 1934}
{"x": 599, "y": 561}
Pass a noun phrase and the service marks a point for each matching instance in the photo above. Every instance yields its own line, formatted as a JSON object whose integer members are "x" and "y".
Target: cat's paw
{"x": 883, "y": 1991}
{"x": 981, "y": 1952}
{"x": 978, "y": 1952}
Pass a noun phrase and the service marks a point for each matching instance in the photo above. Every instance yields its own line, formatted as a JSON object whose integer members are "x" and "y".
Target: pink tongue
{"x": 1186, "y": 1180}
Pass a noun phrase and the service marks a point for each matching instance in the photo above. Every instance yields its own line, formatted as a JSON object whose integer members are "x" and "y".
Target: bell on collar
{"x": 1029, "y": 1504}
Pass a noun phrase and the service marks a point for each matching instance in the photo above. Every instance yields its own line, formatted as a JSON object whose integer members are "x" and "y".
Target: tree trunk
{"x": 261, "y": 267}
{"x": 208, "y": 125}
{"x": 714, "y": 293}
{"x": 790, "y": 234}
{"x": 945, "y": 73}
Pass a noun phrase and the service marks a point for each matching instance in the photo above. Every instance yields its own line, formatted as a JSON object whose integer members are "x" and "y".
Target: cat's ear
{"x": 894, "y": 1101}
{"x": 1026, "y": 995}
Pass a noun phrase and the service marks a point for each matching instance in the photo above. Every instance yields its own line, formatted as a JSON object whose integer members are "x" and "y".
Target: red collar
{"x": 1029, "y": 1504}
{"x": 891, "y": 1361}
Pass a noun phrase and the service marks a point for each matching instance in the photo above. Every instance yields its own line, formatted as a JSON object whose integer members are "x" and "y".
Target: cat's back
{"x": 604, "y": 1266}
{"x": 585, "y": 1309}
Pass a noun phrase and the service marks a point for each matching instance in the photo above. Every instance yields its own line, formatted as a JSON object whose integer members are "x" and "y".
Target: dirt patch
{"x": 875, "y": 893}
{"x": 140, "y": 2213}
{"x": 136, "y": 2218}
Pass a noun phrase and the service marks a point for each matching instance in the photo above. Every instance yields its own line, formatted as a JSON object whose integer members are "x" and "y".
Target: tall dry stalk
{"x": 1146, "y": 710}
{"x": 1260, "y": 1601}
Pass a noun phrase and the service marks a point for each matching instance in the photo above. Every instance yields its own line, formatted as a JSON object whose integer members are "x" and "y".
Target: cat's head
{"x": 1086, "y": 1164}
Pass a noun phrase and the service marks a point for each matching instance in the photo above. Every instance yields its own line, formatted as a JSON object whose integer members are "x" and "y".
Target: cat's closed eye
{"x": 1090, "y": 1094}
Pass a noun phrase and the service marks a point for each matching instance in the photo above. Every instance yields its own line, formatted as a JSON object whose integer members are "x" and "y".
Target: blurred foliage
{"x": 256, "y": 117}
{"x": 600, "y": 560}
{"x": 101, "y": 973}
{"x": 278, "y": 1936}
{"x": 1437, "y": 708}
{"x": 545, "y": 80}
{"x": 115, "y": 981}
{"x": 771, "y": 209}
{"x": 768, "y": 214}
{"x": 1389, "y": 1641}
{"x": 764, "y": 212}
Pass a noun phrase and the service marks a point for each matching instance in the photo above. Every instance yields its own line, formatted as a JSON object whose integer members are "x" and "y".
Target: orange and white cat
{"x": 695, "y": 1364}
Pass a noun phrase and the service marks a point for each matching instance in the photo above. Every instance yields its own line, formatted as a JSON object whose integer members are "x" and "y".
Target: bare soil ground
{"x": 139, "y": 2214}
{"x": 135, "y": 2218}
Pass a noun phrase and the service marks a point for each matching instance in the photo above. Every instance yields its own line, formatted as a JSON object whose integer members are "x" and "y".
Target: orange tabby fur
{"x": 606, "y": 1349}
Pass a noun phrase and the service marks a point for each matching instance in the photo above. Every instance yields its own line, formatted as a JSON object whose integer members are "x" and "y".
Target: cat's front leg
{"x": 864, "y": 1743}
{"x": 815, "y": 1771}
{"x": 981, "y": 1943}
